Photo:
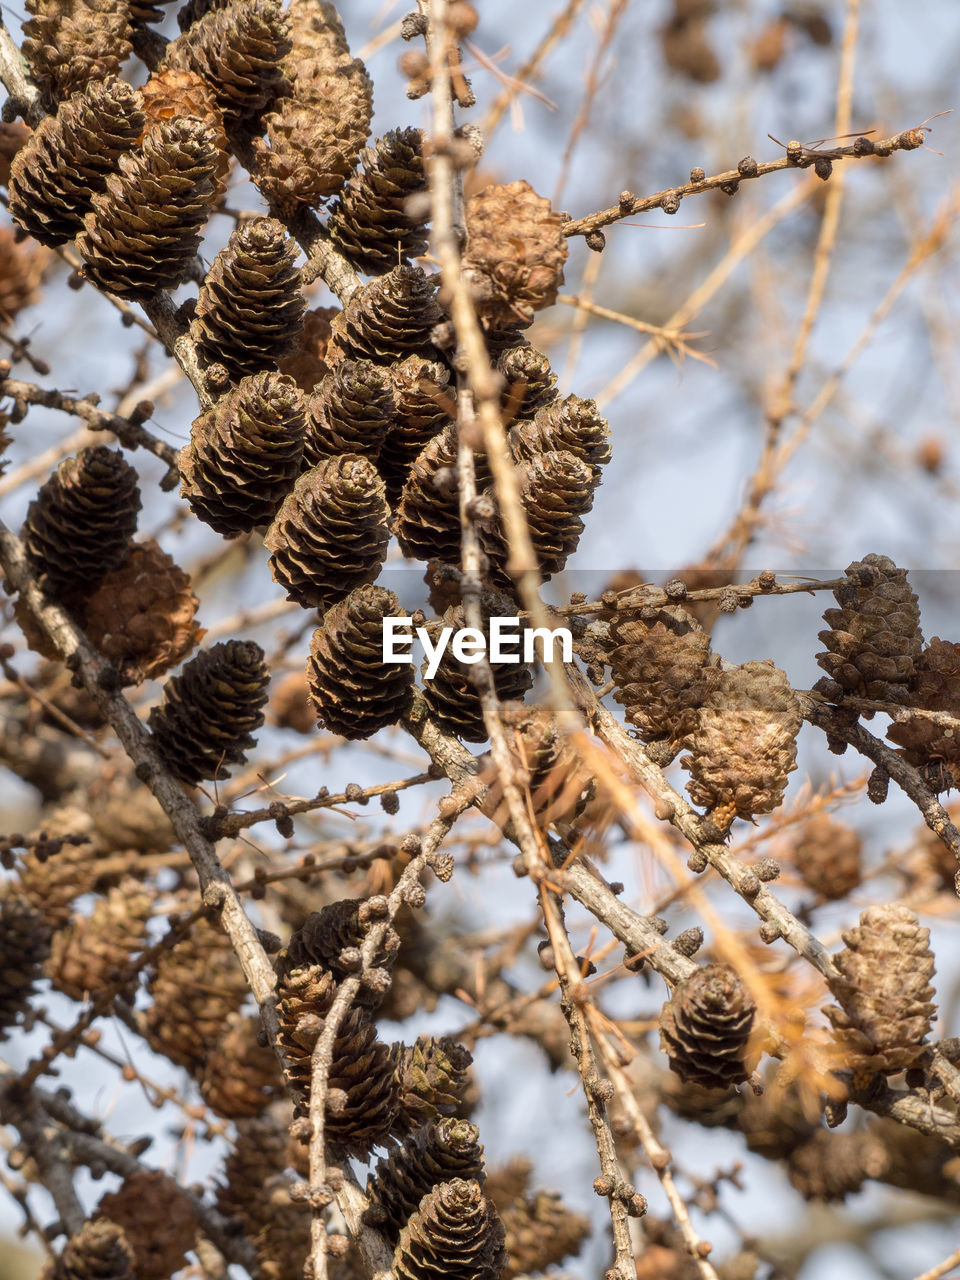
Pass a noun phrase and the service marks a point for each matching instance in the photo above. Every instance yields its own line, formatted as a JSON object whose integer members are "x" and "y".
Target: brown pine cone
{"x": 52, "y": 884}
{"x": 24, "y": 947}
{"x": 323, "y": 938}
{"x": 209, "y": 712}
{"x": 306, "y": 363}
{"x": 713, "y": 1108}
{"x": 559, "y": 784}
{"x": 529, "y": 386}
{"x": 257, "y": 1193}
{"x": 194, "y": 989}
{"x": 427, "y": 523}
{"x": 455, "y": 1232}
{"x": 514, "y": 255}
{"x": 157, "y": 1220}
{"x": 350, "y": 412}
{"x": 240, "y": 1076}
{"x": 775, "y": 1123}
{"x": 361, "y": 1073}
{"x": 425, "y": 404}
{"x": 194, "y": 10}
{"x": 22, "y": 269}
{"x": 884, "y": 993}
{"x": 99, "y": 1251}
{"x": 69, "y": 156}
{"x": 827, "y": 856}
{"x": 331, "y": 532}
{"x": 380, "y": 220}
{"x": 540, "y": 1230}
{"x": 556, "y": 489}
{"x": 705, "y": 1027}
{"x": 317, "y": 130}
{"x": 937, "y": 688}
{"x": 451, "y": 694}
{"x": 434, "y": 1077}
{"x": 143, "y": 230}
{"x": 664, "y": 671}
{"x": 388, "y": 319}
{"x": 173, "y": 94}
{"x": 250, "y": 307}
{"x": 244, "y": 454}
{"x": 141, "y": 617}
{"x": 745, "y": 744}
{"x": 354, "y": 691}
{"x": 571, "y": 424}
{"x": 238, "y": 49}
{"x": 87, "y": 956}
{"x": 79, "y": 526}
{"x": 435, "y": 1152}
{"x": 13, "y": 135}
{"x": 68, "y": 45}
{"x": 831, "y": 1166}
{"x": 874, "y": 641}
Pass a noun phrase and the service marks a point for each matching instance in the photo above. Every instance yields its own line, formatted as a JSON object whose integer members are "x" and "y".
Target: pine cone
{"x": 831, "y": 1166}
{"x": 79, "y": 526}
{"x": 427, "y": 524}
{"x": 774, "y": 1123}
{"x": 354, "y": 691}
{"x": 556, "y": 489}
{"x": 350, "y": 412}
{"x": 173, "y": 94}
{"x": 316, "y": 133}
{"x": 540, "y": 1230}
{"x": 424, "y": 406}
{"x": 558, "y": 783}
{"x": 387, "y": 319}
{"x": 194, "y": 989}
{"x": 529, "y": 386}
{"x": 515, "y": 253}
{"x": 24, "y": 946}
{"x": 451, "y": 695}
{"x": 434, "y": 1076}
{"x": 14, "y": 134}
{"x": 325, "y": 935}
{"x": 331, "y": 532}
{"x": 52, "y": 884}
{"x": 573, "y": 425}
{"x": 157, "y": 1220}
{"x": 874, "y": 641}
{"x": 379, "y": 221}
{"x": 827, "y": 856}
{"x": 244, "y": 454}
{"x": 22, "y": 270}
{"x": 884, "y": 993}
{"x": 745, "y": 744}
{"x": 240, "y": 1076}
{"x": 664, "y": 671}
{"x": 238, "y": 49}
{"x": 306, "y": 363}
{"x": 710, "y": 1108}
{"x": 87, "y": 956}
{"x": 194, "y": 10}
{"x": 455, "y": 1232}
{"x": 68, "y": 158}
{"x": 361, "y": 1073}
{"x": 250, "y": 307}
{"x": 436, "y": 1152}
{"x": 257, "y": 1192}
{"x": 141, "y": 617}
{"x": 70, "y": 43}
{"x": 705, "y": 1027}
{"x": 937, "y": 688}
{"x": 144, "y": 228}
{"x": 99, "y": 1251}
{"x": 209, "y": 711}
